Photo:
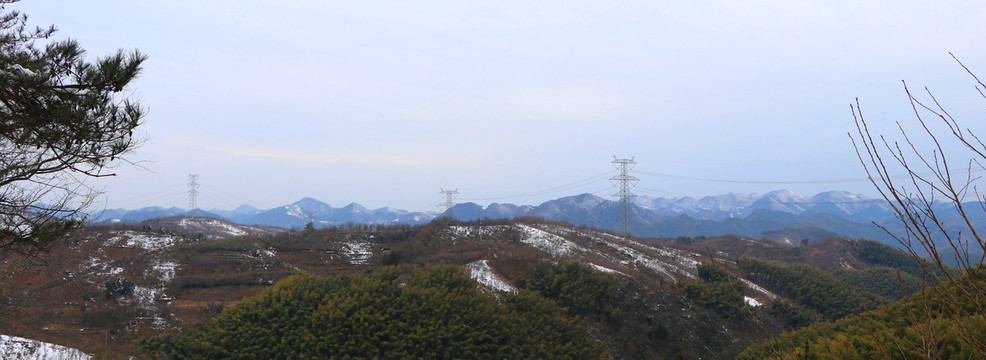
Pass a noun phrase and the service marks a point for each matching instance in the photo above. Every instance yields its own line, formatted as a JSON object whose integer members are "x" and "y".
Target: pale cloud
{"x": 323, "y": 157}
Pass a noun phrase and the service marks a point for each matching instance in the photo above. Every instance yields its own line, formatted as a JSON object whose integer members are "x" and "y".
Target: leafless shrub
{"x": 934, "y": 195}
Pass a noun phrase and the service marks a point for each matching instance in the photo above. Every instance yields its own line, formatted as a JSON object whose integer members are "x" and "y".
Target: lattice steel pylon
{"x": 449, "y": 199}
{"x": 193, "y": 191}
{"x": 625, "y": 182}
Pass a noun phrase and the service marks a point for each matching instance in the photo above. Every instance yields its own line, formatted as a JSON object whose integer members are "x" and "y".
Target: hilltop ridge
{"x": 164, "y": 276}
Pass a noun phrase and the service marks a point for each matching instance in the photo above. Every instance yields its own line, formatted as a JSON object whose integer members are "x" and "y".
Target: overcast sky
{"x": 386, "y": 103}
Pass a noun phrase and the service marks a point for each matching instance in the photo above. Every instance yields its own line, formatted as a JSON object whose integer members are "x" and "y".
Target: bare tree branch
{"x": 933, "y": 207}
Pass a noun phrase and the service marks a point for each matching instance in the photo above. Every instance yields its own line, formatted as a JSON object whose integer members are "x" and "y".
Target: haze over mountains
{"x": 796, "y": 216}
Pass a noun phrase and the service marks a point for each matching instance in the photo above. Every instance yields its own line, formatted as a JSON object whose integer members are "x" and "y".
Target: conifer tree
{"x": 63, "y": 119}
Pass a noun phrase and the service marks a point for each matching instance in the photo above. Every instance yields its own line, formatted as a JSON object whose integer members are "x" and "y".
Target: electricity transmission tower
{"x": 193, "y": 191}
{"x": 624, "y": 181}
{"x": 449, "y": 199}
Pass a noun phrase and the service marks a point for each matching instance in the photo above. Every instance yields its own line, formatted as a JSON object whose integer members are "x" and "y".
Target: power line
{"x": 659, "y": 192}
{"x": 603, "y": 192}
{"x": 425, "y": 208}
{"x": 218, "y": 195}
{"x": 786, "y": 182}
{"x": 169, "y": 194}
{"x": 774, "y": 182}
{"x": 586, "y": 181}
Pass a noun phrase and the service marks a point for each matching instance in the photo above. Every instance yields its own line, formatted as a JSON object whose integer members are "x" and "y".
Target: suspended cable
{"x": 586, "y": 181}
{"x": 150, "y": 194}
{"x": 223, "y": 197}
{"x": 658, "y": 192}
{"x": 775, "y": 182}
{"x": 783, "y": 182}
{"x": 152, "y": 198}
{"x": 602, "y": 192}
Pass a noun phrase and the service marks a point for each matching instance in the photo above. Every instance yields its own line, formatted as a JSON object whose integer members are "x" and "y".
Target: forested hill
{"x": 636, "y": 298}
{"x": 938, "y": 323}
{"x": 436, "y": 313}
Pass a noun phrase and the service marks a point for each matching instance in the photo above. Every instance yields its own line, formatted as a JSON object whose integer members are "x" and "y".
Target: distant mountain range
{"x": 294, "y": 215}
{"x": 850, "y": 206}
{"x": 779, "y": 215}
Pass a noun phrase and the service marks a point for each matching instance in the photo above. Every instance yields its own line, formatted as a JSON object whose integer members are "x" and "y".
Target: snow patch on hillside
{"x": 684, "y": 258}
{"x": 215, "y": 225}
{"x": 147, "y": 299}
{"x": 759, "y": 289}
{"x": 294, "y": 210}
{"x": 605, "y": 269}
{"x": 636, "y": 257}
{"x": 483, "y": 273}
{"x": 144, "y": 241}
{"x": 165, "y": 271}
{"x": 480, "y": 231}
{"x": 751, "y": 301}
{"x": 229, "y": 228}
{"x": 548, "y": 242}
{"x": 668, "y": 262}
{"x": 12, "y": 347}
{"x": 358, "y": 252}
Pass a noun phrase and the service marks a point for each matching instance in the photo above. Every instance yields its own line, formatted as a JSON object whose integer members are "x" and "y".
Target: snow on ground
{"x": 549, "y": 238}
{"x": 751, "y": 301}
{"x": 358, "y": 252}
{"x": 147, "y": 299}
{"x": 483, "y": 273}
{"x": 599, "y": 236}
{"x": 683, "y": 258}
{"x": 94, "y": 265}
{"x": 165, "y": 271}
{"x": 212, "y": 224}
{"x": 759, "y": 289}
{"x": 294, "y": 210}
{"x": 605, "y": 269}
{"x": 485, "y": 230}
{"x": 144, "y": 241}
{"x": 114, "y": 271}
{"x": 216, "y": 228}
{"x": 637, "y": 257}
{"x": 92, "y": 261}
{"x": 845, "y": 264}
{"x": 143, "y": 296}
{"x": 12, "y": 347}
{"x": 230, "y": 229}
{"x": 560, "y": 230}
{"x": 548, "y": 242}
